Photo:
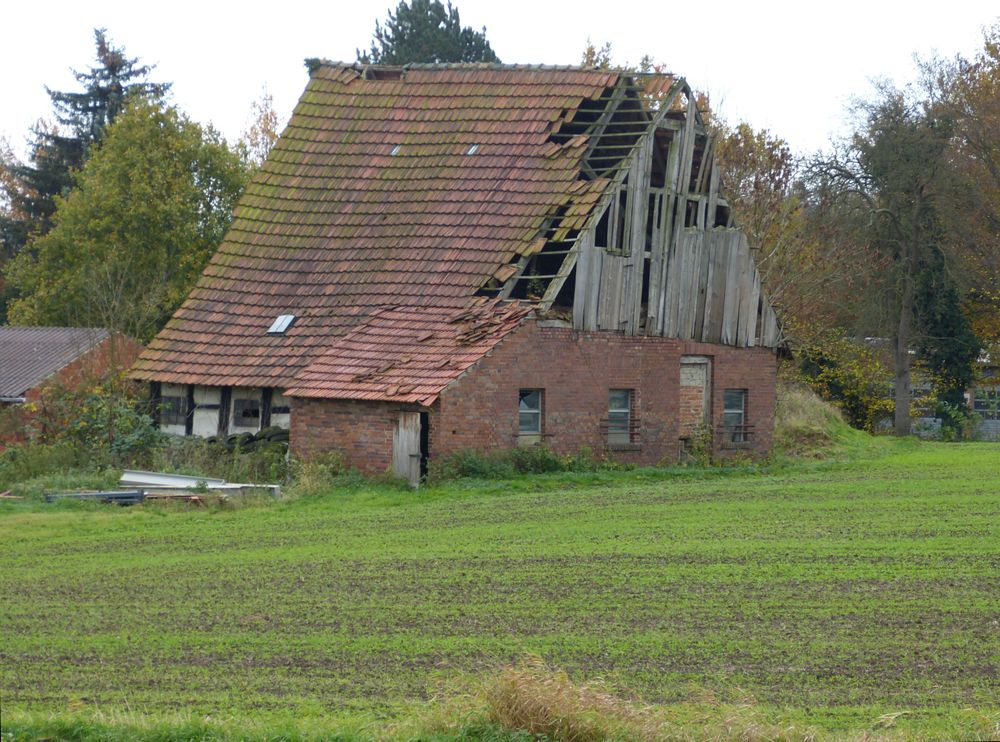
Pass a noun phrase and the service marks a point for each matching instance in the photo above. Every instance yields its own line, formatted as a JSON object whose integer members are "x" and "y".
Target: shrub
{"x": 317, "y": 475}
{"x": 29, "y": 461}
{"x": 266, "y": 463}
{"x": 509, "y": 463}
{"x": 851, "y": 376}
{"x": 105, "y": 414}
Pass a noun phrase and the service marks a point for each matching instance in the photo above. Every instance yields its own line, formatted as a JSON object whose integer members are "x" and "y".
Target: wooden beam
{"x": 597, "y": 129}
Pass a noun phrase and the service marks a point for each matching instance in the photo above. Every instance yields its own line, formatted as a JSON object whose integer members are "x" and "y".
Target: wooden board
{"x": 406, "y": 447}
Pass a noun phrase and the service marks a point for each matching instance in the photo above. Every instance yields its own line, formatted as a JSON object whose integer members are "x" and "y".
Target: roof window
{"x": 281, "y": 324}
{"x": 473, "y": 149}
{"x": 395, "y": 150}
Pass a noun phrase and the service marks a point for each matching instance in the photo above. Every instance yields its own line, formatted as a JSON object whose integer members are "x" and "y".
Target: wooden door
{"x": 406, "y": 447}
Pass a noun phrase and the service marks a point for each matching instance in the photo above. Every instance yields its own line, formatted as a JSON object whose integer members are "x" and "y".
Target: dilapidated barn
{"x": 443, "y": 257}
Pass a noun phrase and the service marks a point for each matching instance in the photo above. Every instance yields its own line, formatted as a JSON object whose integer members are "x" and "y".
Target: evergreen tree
{"x": 29, "y": 189}
{"x": 945, "y": 343}
{"x": 425, "y": 31}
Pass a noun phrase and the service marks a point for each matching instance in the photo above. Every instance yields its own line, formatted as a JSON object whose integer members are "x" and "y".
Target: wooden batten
{"x": 702, "y": 281}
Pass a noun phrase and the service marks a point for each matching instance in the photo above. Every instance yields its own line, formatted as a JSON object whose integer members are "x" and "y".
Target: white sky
{"x": 790, "y": 67}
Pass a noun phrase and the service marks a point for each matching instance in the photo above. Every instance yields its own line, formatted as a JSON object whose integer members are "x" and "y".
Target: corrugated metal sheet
{"x": 29, "y": 355}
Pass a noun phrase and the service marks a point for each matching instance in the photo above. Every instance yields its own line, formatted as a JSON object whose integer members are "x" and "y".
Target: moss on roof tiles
{"x": 335, "y": 225}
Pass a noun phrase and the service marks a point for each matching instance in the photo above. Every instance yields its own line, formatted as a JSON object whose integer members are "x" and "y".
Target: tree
{"x": 262, "y": 133}
{"x": 969, "y": 91}
{"x": 58, "y": 150}
{"x": 886, "y": 183}
{"x": 426, "y": 32}
{"x": 147, "y": 211}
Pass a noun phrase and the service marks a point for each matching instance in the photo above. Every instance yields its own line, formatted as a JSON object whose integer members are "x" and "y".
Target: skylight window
{"x": 395, "y": 150}
{"x": 280, "y": 325}
{"x": 473, "y": 149}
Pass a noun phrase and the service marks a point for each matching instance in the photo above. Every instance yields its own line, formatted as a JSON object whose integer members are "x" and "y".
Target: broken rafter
{"x": 611, "y": 192}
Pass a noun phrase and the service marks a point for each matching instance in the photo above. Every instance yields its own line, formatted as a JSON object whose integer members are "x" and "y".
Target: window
{"x": 529, "y": 416}
{"x": 620, "y": 416}
{"x": 986, "y": 402}
{"x": 246, "y": 412}
{"x": 734, "y": 413}
{"x": 173, "y": 411}
{"x": 281, "y": 324}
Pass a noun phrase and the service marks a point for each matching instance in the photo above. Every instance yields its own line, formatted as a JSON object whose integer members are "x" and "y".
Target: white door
{"x": 406, "y": 447}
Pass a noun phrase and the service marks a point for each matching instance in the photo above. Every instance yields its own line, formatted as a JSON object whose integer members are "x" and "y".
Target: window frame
{"x": 173, "y": 410}
{"x": 239, "y": 410}
{"x": 735, "y": 432}
{"x": 534, "y": 435}
{"x": 619, "y": 426}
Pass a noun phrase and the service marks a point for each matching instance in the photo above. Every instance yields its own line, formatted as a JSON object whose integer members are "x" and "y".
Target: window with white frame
{"x": 734, "y": 414}
{"x": 619, "y": 416}
{"x": 529, "y": 415}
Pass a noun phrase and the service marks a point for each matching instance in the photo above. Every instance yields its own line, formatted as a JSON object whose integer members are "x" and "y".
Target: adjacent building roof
{"x": 392, "y": 194}
{"x": 30, "y": 355}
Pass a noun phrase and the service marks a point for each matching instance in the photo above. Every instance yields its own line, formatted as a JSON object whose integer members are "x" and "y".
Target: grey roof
{"x": 29, "y": 355}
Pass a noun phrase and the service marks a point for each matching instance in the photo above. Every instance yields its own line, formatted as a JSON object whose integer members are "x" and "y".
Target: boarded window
{"x": 619, "y": 416}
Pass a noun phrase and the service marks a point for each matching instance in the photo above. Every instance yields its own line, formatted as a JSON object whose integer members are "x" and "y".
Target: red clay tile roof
{"x": 407, "y": 353}
{"x": 30, "y": 355}
{"x": 405, "y": 192}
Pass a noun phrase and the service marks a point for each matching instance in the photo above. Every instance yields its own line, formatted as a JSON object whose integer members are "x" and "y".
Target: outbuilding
{"x": 445, "y": 257}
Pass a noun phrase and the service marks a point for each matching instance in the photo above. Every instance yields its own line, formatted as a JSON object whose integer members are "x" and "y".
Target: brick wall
{"x": 753, "y": 369}
{"x": 360, "y": 431}
{"x": 575, "y": 370}
{"x": 691, "y": 401}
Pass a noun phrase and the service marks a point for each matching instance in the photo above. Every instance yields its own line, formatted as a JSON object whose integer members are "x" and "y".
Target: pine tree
{"x": 425, "y": 31}
{"x": 29, "y": 189}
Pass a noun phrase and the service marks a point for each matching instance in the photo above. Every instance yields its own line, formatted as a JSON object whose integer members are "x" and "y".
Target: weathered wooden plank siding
{"x": 665, "y": 268}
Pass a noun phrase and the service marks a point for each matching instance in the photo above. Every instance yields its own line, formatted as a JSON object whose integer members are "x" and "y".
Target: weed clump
{"x": 474, "y": 464}
{"x": 543, "y": 702}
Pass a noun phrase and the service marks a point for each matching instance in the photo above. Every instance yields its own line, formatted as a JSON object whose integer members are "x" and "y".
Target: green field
{"x": 833, "y": 595}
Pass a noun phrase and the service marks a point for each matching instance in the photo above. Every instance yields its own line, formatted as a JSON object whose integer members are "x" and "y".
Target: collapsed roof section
{"x": 436, "y": 186}
{"x": 408, "y": 354}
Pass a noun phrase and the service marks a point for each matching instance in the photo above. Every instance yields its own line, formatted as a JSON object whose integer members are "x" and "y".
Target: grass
{"x": 854, "y": 596}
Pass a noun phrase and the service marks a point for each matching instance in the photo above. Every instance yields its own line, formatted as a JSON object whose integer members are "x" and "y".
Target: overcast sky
{"x": 790, "y": 67}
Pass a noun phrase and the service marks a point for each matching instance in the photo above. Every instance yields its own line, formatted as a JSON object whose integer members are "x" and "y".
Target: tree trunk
{"x": 904, "y": 327}
{"x": 902, "y": 364}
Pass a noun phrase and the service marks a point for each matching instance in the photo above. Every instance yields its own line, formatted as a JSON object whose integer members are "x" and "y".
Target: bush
{"x": 509, "y": 463}
{"x": 851, "y": 376}
{"x": 107, "y": 415}
{"x": 267, "y": 462}
{"x": 29, "y": 461}
{"x": 318, "y": 475}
